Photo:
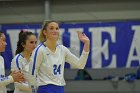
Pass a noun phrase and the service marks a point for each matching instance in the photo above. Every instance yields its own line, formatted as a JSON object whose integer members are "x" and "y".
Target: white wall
{"x": 69, "y": 10}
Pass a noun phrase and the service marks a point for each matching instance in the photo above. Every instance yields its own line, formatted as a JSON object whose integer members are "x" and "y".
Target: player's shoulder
{"x": 40, "y": 47}
{"x": 1, "y": 58}
{"x": 18, "y": 57}
{"x": 62, "y": 47}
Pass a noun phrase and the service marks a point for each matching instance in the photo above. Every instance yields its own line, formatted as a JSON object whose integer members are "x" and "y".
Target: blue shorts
{"x": 50, "y": 88}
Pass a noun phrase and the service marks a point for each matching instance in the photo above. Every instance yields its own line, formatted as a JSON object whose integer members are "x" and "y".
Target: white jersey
{"x": 49, "y": 66}
{"x": 20, "y": 63}
{"x": 4, "y": 80}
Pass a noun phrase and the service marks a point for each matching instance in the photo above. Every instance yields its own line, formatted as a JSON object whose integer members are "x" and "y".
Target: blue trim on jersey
{"x": 17, "y": 61}
{"x": 3, "y": 78}
{"x": 44, "y": 44}
{"x": 35, "y": 58}
{"x": 22, "y": 55}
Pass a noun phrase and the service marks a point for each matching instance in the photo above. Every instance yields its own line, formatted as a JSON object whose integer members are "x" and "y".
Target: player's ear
{"x": 23, "y": 45}
{"x": 45, "y": 32}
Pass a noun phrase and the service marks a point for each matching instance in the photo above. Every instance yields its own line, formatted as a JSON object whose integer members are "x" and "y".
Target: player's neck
{"x": 51, "y": 45}
{"x": 26, "y": 55}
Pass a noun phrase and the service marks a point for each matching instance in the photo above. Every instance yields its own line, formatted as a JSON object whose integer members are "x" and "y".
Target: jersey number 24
{"x": 57, "y": 69}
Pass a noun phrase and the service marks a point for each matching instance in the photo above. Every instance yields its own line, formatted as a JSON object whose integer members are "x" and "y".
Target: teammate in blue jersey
{"x": 48, "y": 60}
{"x": 26, "y": 44}
{"x": 15, "y": 76}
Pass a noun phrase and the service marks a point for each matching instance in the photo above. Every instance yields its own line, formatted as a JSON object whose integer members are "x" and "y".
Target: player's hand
{"x": 83, "y": 37}
{"x": 18, "y": 76}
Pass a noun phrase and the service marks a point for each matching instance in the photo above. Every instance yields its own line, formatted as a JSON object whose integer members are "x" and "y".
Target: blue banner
{"x": 113, "y": 44}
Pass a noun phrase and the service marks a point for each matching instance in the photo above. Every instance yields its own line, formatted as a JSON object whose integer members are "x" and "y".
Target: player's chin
{"x": 3, "y": 50}
{"x": 55, "y": 37}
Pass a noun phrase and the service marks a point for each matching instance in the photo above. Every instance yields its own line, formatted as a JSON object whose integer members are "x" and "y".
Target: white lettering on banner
{"x": 103, "y": 39}
{"x": 60, "y": 37}
{"x": 13, "y": 35}
{"x": 134, "y": 46}
{"x": 74, "y": 41}
{"x": 98, "y": 49}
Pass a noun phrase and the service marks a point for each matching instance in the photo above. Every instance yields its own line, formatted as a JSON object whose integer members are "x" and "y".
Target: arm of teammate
{"x": 15, "y": 76}
{"x": 6, "y": 80}
{"x": 20, "y": 86}
{"x": 75, "y": 61}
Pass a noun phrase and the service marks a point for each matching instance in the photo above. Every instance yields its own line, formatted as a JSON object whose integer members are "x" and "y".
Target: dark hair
{"x": 23, "y": 36}
{"x": 1, "y": 33}
{"x": 42, "y": 37}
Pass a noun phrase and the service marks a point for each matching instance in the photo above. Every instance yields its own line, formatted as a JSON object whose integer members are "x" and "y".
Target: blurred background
{"x": 113, "y": 27}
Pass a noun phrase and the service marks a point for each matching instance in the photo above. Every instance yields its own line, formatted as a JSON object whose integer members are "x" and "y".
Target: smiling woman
{"x": 25, "y": 45}
{"x": 15, "y": 76}
{"x": 48, "y": 60}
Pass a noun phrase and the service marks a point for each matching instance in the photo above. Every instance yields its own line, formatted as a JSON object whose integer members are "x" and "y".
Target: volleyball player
{"x": 48, "y": 60}
{"x": 25, "y": 45}
{"x": 15, "y": 76}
